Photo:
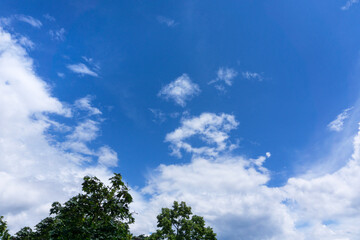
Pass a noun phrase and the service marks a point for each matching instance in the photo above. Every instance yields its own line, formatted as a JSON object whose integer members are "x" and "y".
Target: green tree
{"x": 176, "y": 224}
{"x": 140, "y": 237}
{"x": 4, "y": 232}
{"x": 44, "y": 229}
{"x": 25, "y": 233}
{"x": 101, "y": 212}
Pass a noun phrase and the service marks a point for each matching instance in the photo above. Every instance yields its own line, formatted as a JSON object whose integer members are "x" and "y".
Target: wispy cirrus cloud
{"x": 252, "y": 76}
{"x": 338, "y": 124}
{"x": 349, "y": 4}
{"x": 30, "y": 20}
{"x": 160, "y": 116}
{"x": 58, "y": 35}
{"x": 6, "y": 21}
{"x": 180, "y": 90}
{"x": 26, "y": 42}
{"x": 82, "y": 69}
{"x": 167, "y": 21}
{"x": 85, "y": 104}
{"x": 60, "y": 74}
{"x": 49, "y": 17}
{"x": 225, "y": 75}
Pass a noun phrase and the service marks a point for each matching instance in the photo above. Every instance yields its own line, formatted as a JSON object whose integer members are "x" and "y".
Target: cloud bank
{"x": 36, "y": 167}
{"x": 232, "y": 194}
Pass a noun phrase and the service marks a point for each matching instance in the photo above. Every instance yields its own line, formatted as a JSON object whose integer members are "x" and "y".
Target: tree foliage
{"x": 4, "y": 232}
{"x": 102, "y": 212}
{"x": 176, "y": 224}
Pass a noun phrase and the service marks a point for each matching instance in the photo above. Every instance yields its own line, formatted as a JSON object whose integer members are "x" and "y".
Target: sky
{"x": 248, "y": 111}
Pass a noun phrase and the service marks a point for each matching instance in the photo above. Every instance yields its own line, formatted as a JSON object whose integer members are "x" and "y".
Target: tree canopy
{"x": 176, "y": 224}
{"x": 102, "y": 212}
{"x": 4, "y": 232}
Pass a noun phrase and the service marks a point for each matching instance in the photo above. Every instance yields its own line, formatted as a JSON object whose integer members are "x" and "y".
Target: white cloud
{"x": 83, "y": 133}
{"x": 58, "y": 35}
{"x": 329, "y": 204}
{"x": 7, "y": 21}
{"x": 349, "y": 4}
{"x": 210, "y": 128}
{"x": 49, "y": 17}
{"x": 26, "y": 42}
{"x": 35, "y": 167}
{"x": 306, "y": 208}
{"x": 180, "y": 90}
{"x": 30, "y": 20}
{"x": 225, "y": 75}
{"x": 91, "y": 61}
{"x": 229, "y": 192}
{"x": 252, "y": 75}
{"x": 84, "y": 104}
{"x": 160, "y": 116}
{"x": 107, "y": 157}
{"x": 338, "y": 124}
{"x": 60, "y": 74}
{"x": 167, "y": 21}
{"x": 82, "y": 69}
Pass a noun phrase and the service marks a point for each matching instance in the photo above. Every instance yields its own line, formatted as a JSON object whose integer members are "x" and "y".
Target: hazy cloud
{"x": 49, "y": 17}
{"x": 167, "y": 21}
{"x": 180, "y": 90}
{"x": 84, "y": 104}
{"x": 58, "y": 35}
{"x": 30, "y": 20}
{"x": 252, "y": 75}
{"x": 6, "y": 21}
{"x": 60, "y": 74}
{"x": 349, "y": 4}
{"x": 26, "y": 42}
{"x": 224, "y": 75}
{"x": 82, "y": 69}
{"x": 338, "y": 124}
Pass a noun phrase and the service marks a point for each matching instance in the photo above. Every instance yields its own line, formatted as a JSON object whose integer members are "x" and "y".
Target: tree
{"x": 140, "y": 237}
{"x": 25, "y": 233}
{"x": 176, "y": 224}
{"x": 100, "y": 212}
{"x": 4, "y": 232}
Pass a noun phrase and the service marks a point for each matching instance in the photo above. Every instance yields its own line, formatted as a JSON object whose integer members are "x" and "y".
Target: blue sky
{"x": 185, "y": 99}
